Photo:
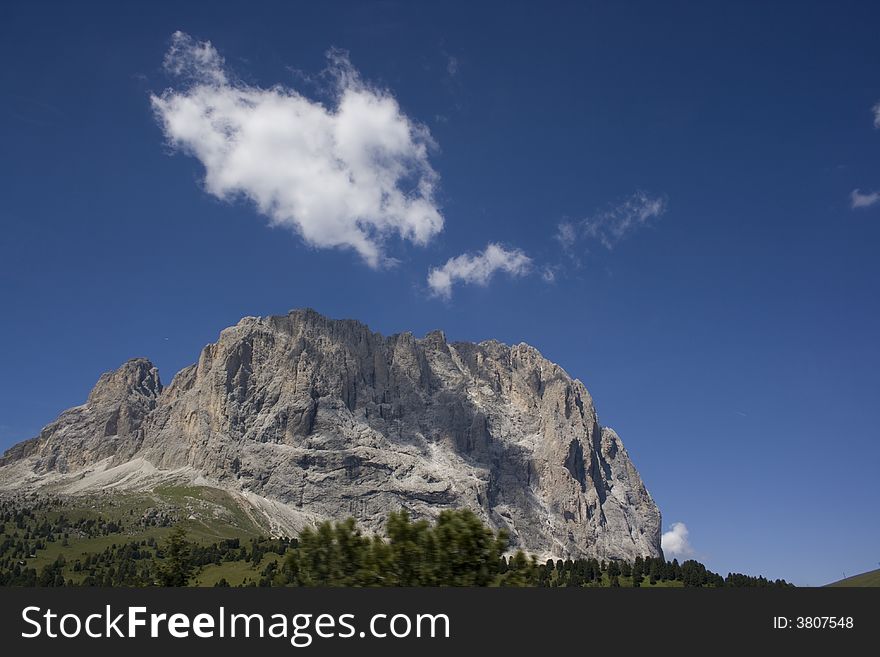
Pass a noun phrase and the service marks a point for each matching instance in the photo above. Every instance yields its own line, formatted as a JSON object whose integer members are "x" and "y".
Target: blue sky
{"x": 712, "y": 283}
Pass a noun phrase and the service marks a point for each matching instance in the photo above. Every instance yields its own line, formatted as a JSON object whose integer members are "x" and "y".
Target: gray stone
{"x": 304, "y": 418}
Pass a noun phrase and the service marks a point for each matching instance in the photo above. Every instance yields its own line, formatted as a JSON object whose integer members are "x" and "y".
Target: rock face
{"x": 112, "y": 417}
{"x": 308, "y": 418}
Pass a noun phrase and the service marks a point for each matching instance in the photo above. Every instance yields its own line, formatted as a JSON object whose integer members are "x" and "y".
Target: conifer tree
{"x": 177, "y": 568}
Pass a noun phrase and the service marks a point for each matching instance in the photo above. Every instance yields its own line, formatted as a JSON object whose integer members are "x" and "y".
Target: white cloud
{"x": 675, "y": 543}
{"x": 194, "y": 61}
{"x": 617, "y": 222}
{"x": 351, "y": 174}
{"x": 477, "y": 268}
{"x": 566, "y": 234}
{"x": 859, "y": 200}
{"x": 548, "y": 273}
{"x": 876, "y": 110}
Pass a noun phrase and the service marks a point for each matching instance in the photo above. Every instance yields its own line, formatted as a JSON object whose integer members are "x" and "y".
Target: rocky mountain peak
{"x": 135, "y": 377}
{"x": 306, "y": 417}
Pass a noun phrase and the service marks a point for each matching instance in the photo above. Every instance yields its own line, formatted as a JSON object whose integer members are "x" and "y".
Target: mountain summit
{"x": 303, "y": 418}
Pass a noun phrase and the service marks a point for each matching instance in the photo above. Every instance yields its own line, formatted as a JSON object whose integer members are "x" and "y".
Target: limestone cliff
{"x": 305, "y": 417}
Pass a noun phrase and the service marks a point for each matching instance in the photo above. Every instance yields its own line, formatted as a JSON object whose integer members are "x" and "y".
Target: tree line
{"x": 456, "y": 549}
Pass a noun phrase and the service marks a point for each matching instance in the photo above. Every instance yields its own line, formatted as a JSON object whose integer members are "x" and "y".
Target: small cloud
{"x": 617, "y": 222}
{"x": 352, "y": 173}
{"x": 609, "y": 226}
{"x": 876, "y": 110}
{"x": 451, "y": 65}
{"x": 548, "y": 274}
{"x": 860, "y": 200}
{"x": 675, "y": 542}
{"x": 477, "y": 268}
{"x": 566, "y": 234}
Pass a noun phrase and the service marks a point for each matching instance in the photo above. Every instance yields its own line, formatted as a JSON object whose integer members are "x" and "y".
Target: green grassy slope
{"x": 235, "y": 572}
{"x": 207, "y": 514}
{"x": 871, "y": 578}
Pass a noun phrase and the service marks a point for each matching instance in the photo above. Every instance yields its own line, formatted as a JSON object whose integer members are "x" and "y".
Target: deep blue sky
{"x": 733, "y": 342}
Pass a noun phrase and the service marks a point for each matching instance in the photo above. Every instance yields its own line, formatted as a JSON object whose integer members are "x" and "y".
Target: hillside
{"x": 870, "y": 578}
{"x": 195, "y": 537}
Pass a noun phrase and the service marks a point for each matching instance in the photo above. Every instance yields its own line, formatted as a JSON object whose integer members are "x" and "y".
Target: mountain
{"x": 303, "y": 418}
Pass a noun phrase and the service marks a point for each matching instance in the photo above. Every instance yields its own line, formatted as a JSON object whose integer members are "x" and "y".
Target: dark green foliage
{"x": 455, "y": 550}
{"x": 177, "y": 569}
{"x": 736, "y": 579}
{"x": 332, "y": 555}
{"x": 521, "y": 571}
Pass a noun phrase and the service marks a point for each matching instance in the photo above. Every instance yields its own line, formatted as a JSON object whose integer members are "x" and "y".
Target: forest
{"x": 456, "y": 549}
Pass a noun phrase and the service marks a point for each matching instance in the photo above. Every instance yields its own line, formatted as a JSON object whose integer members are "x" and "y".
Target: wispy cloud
{"x": 477, "y": 268}
{"x": 33, "y": 111}
{"x": 857, "y": 198}
{"x": 675, "y": 542}
{"x": 350, "y": 174}
{"x": 617, "y": 222}
{"x": 451, "y": 65}
{"x": 197, "y": 61}
{"x": 548, "y": 273}
{"x": 608, "y": 226}
{"x": 566, "y": 234}
{"x": 860, "y": 200}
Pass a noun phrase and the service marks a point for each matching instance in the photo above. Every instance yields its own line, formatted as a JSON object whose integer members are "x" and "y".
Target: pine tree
{"x": 177, "y": 568}
{"x": 521, "y": 571}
